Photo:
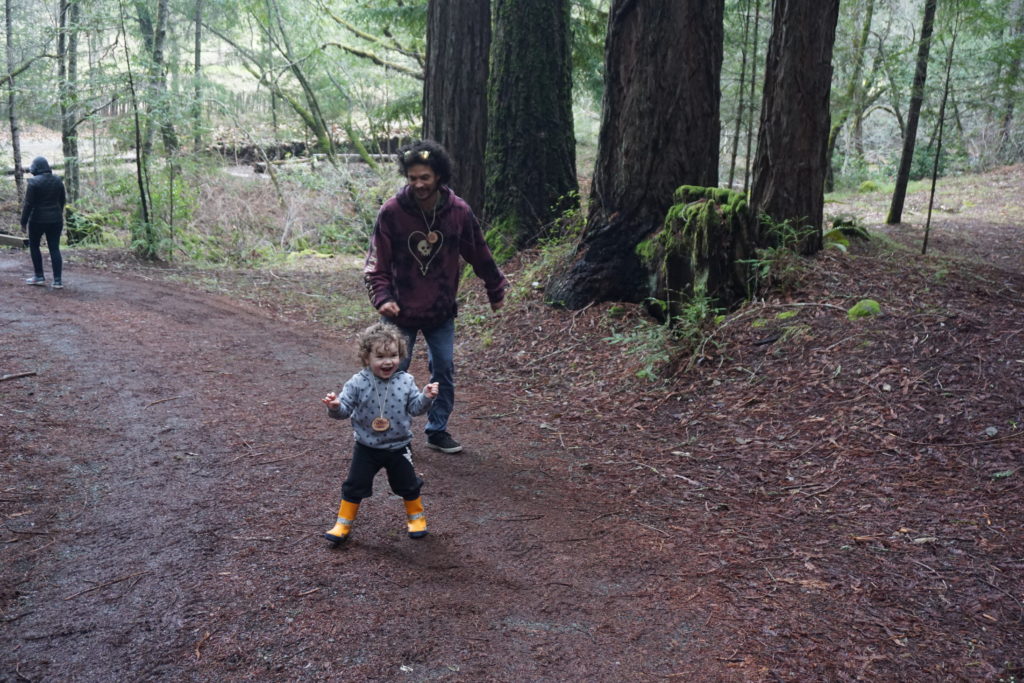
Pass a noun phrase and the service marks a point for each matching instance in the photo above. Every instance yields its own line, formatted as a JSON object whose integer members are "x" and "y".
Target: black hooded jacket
{"x": 44, "y": 196}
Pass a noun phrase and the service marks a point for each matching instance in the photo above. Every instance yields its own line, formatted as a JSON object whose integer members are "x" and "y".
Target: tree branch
{"x": 6, "y": 78}
{"x": 417, "y": 74}
{"x": 392, "y": 45}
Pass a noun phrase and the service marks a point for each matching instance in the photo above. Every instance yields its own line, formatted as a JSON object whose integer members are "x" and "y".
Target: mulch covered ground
{"x": 804, "y": 497}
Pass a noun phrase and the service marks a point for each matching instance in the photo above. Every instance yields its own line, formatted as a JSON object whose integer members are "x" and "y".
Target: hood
{"x": 39, "y": 165}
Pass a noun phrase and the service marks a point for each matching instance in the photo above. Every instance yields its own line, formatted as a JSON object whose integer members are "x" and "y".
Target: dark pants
{"x": 35, "y": 238}
{"x": 366, "y": 462}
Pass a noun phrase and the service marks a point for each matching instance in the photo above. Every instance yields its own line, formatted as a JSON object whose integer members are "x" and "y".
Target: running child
{"x": 381, "y": 400}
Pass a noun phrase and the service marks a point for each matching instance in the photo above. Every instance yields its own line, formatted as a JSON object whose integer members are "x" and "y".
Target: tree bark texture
{"x": 790, "y": 165}
{"x": 531, "y": 146}
{"x": 12, "y": 112}
{"x": 70, "y": 19}
{"x": 197, "y": 78}
{"x": 899, "y": 194}
{"x": 455, "y": 90}
{"x": 659, "y": 130}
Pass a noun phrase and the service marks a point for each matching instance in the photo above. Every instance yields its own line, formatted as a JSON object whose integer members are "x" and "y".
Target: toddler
{"x": 381, "y": 400}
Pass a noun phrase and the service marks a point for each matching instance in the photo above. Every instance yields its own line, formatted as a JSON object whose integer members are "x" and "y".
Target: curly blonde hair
{"x": 383, "y": 335}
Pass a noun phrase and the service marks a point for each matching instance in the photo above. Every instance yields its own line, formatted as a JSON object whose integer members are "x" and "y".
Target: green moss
{"x": 865, "y": 308}
{"x": 501, "y": 240}
{"x": 690, "y": 224}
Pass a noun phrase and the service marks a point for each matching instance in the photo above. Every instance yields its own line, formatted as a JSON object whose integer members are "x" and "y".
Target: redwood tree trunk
{"x": 790, "y": 164}
{"x": 899, "y": 194}
{"x": 531, "y": 146}
{"x": 659, "y": 130}
{"x": 455, "y": 89}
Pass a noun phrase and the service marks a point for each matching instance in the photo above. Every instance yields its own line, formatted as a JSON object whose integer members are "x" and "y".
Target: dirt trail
{"x": 815, "y": 499}
{"x": 168, "y": 470}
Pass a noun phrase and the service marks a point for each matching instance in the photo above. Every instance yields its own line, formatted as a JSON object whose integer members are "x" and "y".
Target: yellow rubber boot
{"x": 417, "y": 520}
{"x": 346, "y": 516}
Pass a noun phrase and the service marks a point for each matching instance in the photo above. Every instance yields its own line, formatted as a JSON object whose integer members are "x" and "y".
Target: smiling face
{"x": 383, "y": 360}
{"x": 424, "y": 184}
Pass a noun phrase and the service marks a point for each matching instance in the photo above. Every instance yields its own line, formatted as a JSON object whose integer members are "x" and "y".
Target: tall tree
{"x": 12, "y": 111}
{"x": 531, "y": 147}
{"x": 67, "y": 54}
{"x": 741, "y": 91}
{"x": 1012, "y": 81}
{"x": 154, "y": 37}
{"x": 197, "y": 71}
{"x": 753, "y": 85}
{"x": 856, "y": 94}
{"x": 283, "y": 58}
{"x": 455, "y": 89}
{"x": 659, "y": 130}
{"x": 792, "y": 141}
{"x": 899, "y": 194}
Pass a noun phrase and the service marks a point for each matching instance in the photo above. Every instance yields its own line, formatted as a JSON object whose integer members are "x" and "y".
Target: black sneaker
{"x": 57, "y": 284}
{"x": 38, "y": 280}
{"x": 443, "y": 441}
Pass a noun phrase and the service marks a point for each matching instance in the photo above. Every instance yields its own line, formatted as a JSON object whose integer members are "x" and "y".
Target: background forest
{"x": 811, "y": 472}
{"x": 177, "y": 125}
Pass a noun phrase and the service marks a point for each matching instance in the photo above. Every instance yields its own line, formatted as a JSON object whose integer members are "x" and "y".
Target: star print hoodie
{"x": 405, "y": 265}
{"x": 366, "y": 396}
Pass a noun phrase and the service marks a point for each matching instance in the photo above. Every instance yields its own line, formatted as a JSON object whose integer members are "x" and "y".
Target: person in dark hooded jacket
{"x": 413, "y": 268}
{"x": 43, "y": 214}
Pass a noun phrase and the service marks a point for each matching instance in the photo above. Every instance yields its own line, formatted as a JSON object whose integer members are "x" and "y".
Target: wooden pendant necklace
{"x": 381, "y": 423}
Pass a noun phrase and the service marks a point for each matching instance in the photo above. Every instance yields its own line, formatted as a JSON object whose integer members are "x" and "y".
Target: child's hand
{"x": 430, "y": 391}
{"x": 332, "y": 401}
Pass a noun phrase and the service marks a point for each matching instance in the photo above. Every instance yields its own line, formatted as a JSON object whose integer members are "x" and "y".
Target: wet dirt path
{"x": 168, "y": 470}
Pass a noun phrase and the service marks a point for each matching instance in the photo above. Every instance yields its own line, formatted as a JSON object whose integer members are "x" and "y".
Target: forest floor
{"x": 813, "y": 498}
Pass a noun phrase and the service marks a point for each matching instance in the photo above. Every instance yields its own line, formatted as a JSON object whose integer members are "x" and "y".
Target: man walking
{"x": 413, "y": 266}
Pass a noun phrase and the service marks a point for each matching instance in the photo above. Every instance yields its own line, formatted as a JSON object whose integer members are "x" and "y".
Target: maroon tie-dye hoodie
{"x": 422, "y": 275}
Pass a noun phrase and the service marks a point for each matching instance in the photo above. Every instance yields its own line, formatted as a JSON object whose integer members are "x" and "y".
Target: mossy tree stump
{"x": 701, "y": 249}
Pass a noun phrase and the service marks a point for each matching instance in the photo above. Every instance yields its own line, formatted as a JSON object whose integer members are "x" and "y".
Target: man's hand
{"x": 389, "y": 310}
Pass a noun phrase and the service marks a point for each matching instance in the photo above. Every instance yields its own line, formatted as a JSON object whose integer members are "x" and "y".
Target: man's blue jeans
{"x": 440, "y": 360}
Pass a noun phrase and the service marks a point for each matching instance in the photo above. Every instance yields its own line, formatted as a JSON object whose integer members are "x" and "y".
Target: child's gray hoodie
{"x": 366, "y": 397}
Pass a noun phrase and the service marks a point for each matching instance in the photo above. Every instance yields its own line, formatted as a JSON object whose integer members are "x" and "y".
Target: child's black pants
{"x": 366, "y": 462}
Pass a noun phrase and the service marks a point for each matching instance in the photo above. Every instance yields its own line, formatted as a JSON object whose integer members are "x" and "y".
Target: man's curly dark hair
{"x": 426, "y": 152}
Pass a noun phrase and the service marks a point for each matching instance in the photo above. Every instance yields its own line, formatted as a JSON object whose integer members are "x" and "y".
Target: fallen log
{"x": 13, "y": 240}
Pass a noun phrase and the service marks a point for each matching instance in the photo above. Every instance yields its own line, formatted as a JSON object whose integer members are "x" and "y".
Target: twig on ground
{"x": 27, "y": 533}
{"x": 290, "y": 457}
{"x": 957, "y": 445}
{"x": 16, "y": 375}
{"x": 199, "y": 645}
{"x": 164, "y": 400}
{"x": 105, "y": 584}
{"x": 648, "y": 526}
